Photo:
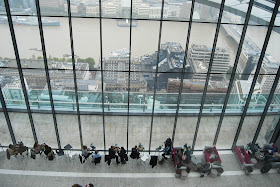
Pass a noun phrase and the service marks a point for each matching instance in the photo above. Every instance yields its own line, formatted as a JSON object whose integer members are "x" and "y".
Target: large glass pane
{"x": 63, "y": 91}
{"x": 92, "y": 130}
{"x": 267, "y": 130}
{"x": 57, "y": 41}
{"x": 22, "y": 128}
{"x": 25, "y": 7}
{"x": 11, "y": 88}
{"x": 115, "y": 45}
{"x": 7, "y": 50}
{"x": 54, "y": 7}
{"x": 144, "y": 46}
{"x": 37, "y": 89}
{"x": 45, "y": 129}
{"x": 227, "y": 132}
{"x": 28, "y": 41}
{"x": 83, "y": 8}
{"x": 68, "y": 128}
{"x": 139, "y": 131}
{"x": 248, "y": 130}
{"x": 162, "y": 129}
{"x": 116, "y": 8}
{"x": 5, "y": 137}
{"x": 207, "y": 131}
{"x": 204, "y": 12}
{"x": 115, "y": 131}
{"x": 86, "y": 32}
{"x": 185, "y": 131}
{"x": 90, "y": 91}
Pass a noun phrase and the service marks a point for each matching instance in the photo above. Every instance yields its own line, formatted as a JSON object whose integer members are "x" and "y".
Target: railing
{"x": 139, "y": 102}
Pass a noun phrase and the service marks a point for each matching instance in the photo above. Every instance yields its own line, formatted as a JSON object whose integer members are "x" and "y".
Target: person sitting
{"x": 187, "y": 154}
{"x": 96, "y": 157}
{"x": 37, "y": 148}
{"x": 48, "y": 152}
{"x": 112, "y": 153}
{"x": 168, "y": 143}
{"x": 11, "y": 151}
{"x": 85, "y": 152}
{"x": 123, "y": 155}
{"x": 134, "y": 152}
{"x": 47, "y": 149}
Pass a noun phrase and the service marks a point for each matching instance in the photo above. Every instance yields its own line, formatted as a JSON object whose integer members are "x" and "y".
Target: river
{"x": 145, "y": 38}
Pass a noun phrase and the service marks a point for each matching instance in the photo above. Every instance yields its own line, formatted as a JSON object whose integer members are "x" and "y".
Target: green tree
{"x": 90, "y": 62}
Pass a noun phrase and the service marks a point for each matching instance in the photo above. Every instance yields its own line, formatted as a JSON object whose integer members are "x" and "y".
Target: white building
{"x": 266, "y": 79}
{"x": 155, "y": 12}
{"x": 200, "y": 57}
{"x": 13, "y": 91}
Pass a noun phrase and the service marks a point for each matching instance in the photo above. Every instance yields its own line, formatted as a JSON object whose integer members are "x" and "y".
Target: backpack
{"x": 33, "y": 154}
{"x": 51, "y": 155}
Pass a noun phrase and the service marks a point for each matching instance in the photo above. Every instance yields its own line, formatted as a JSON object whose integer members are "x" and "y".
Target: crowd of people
{"x": 115, "y": 153}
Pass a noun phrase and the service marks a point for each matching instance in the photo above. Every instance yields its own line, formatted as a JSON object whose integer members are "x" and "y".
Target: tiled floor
{"x": 24, "y": 171}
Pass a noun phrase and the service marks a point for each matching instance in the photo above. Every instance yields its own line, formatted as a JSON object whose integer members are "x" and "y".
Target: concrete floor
{"x": 138, "y": 130}
{"x": 63, "y": 171}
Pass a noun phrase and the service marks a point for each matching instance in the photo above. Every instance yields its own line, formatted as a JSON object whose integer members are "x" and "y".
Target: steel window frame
{"x": 12, "y": 32}
{"x": 209, "y": 71}
{"x": 183, "y": 73}
{"x": 233, "y": 73}
{"x": 47, "y": 71}
{"x": 156, "y": 74}
{"x": 269, "y": 31}
{"x": 74, "y": 72}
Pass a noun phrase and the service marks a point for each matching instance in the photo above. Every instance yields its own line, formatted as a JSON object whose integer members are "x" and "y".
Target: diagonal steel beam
{"x": 24, "y": 90}
{"x": 209, "y": 71}
{"x": 269, "y": 30}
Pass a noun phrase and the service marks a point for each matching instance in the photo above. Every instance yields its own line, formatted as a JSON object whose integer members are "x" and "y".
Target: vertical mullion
{"x": 74, "y": 71}
{"x": 47, "y": 71}
{"x": 275, "y": 83}
{"x": 183, "y": 72}
{"x": 101, "y": 61}
{"x": 275, "y": 133}
{"x": 209, "y": 71}
{"x": 7, "y": 117}
{"x": 129, "y": 63}
{"x": 155, "y": 81}
{"x": 234, "y": 69}
{"x": 270, "y": 28}
{"x": 20, "y": 69}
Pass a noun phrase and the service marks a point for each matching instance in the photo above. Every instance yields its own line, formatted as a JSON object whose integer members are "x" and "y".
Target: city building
{"x": 116, "y": 77}
{"x": 153, "y": 90}
{"x": 155, "y": 12}
{"x": 92, "y": 10}
{"x": 13, "y": 91}
{"x": 52, "y": 3}
{"x": 266, "y": 77}
{"x": 111, "y": 8}
{"x": 199, "y": 56}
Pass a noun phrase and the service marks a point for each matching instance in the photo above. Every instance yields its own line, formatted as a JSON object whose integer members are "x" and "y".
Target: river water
{"x": 86, "y": 37}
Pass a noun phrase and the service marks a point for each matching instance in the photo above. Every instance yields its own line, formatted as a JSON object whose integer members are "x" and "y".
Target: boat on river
{"x": 31, "y": 21}
{"x": 126, "y": 23}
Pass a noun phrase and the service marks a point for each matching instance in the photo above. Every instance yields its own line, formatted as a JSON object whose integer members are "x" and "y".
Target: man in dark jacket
{"x": 112, "y": 153}
{"x": 123, "y": 155}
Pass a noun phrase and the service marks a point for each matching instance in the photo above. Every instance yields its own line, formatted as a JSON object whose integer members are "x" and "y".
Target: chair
{"x": 67, "y": 148}
{"x": 96, "y": 160}
{"x": 153, "y": 161}
{"x": 143, "y": 159}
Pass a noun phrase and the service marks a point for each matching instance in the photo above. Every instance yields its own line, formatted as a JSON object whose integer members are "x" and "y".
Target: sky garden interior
{"x": 124, "y": 72}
